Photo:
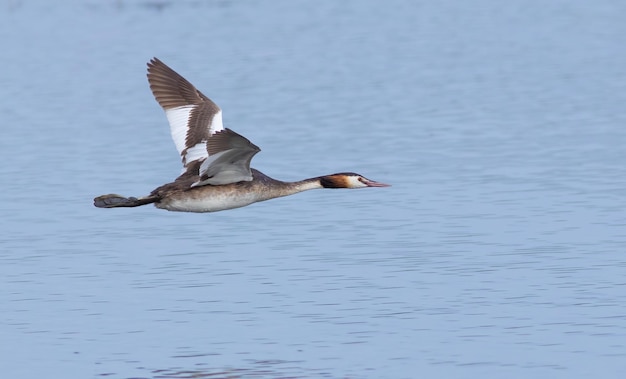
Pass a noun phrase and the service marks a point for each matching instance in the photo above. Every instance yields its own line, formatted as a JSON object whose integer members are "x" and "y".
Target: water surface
{"x": 498, "y": 252}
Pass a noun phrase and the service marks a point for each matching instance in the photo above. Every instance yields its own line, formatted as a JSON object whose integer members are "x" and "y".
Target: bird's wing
{"x": 192, "y": 116}
{"x": 229, "y": 159}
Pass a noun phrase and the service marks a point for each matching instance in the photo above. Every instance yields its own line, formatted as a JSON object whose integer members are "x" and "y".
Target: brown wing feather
{"x": 227, "y": 139}
{"x": 171, "y": 90}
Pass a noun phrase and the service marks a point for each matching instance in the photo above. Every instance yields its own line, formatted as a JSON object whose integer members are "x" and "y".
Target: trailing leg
{"x": 115, "y": 201}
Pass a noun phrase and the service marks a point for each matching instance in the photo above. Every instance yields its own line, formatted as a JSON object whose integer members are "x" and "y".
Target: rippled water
{"x": 498, "y": 252}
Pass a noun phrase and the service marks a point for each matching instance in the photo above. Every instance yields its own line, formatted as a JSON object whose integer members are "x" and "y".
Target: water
{"x": 498, "y": 252}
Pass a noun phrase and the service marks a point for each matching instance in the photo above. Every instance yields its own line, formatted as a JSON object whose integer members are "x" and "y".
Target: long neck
{"x": 302, "y": 185}
{"x": 271, "y": 188}
{"x": 280, "y": 189}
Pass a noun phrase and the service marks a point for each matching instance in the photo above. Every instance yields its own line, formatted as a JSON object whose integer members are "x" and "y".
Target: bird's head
{"x": 348, "y": 180}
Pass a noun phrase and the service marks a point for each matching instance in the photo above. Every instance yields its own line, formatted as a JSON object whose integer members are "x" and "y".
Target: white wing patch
{"x": 179, "y": 118}
{"x": 196, "y": 152}
{"x": 199, "y": 150}
{"x": 216, "y": 123}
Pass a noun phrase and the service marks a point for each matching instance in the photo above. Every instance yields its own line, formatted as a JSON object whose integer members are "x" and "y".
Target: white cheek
{"x": 354, "y": 182}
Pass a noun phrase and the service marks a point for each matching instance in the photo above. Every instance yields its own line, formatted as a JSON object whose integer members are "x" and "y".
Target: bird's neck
{"x": 272, "y": 188}
{"x": 303, "y": 185}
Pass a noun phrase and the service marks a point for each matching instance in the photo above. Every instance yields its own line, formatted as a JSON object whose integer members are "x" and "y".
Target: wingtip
{"x": 152, "y": 63}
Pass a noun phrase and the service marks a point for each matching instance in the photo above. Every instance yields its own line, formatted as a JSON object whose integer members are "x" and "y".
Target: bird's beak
{"x": 371, "y": 183}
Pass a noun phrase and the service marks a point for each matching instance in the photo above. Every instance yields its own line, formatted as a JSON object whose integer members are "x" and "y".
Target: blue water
{"x": 498, "y": 252}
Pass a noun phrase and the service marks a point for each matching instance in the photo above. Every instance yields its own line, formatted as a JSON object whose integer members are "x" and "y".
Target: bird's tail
{"x": 115, "y": 201}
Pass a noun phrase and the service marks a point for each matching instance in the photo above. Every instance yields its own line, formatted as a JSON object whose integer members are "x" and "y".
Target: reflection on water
{"x": 498, "y": 252}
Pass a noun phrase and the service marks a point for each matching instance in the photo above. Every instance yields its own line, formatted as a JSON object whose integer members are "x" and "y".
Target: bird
{"x": 216, "y": 160}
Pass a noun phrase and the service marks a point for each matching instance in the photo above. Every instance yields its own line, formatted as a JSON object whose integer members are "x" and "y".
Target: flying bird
{"x": 216, "y": 160}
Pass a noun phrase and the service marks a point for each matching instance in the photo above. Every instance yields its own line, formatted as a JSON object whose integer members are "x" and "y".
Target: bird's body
{"x": 216, "y": 160}
{"x": 177, "y": 196}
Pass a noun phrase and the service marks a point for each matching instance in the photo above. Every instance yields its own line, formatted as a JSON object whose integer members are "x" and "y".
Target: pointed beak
{"x": 371, "y": 183}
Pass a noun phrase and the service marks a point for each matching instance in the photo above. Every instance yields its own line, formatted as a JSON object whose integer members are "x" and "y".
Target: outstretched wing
{"x": 229, "y": 159}
{"x": 192, "y": 116}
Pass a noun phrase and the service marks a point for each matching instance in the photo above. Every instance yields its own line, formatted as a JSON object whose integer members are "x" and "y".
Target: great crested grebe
{"x": 216, "y": 160}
